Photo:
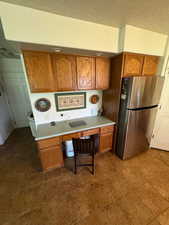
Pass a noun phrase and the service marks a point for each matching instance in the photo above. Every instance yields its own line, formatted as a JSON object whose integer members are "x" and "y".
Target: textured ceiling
{"x": 148, "y": 14}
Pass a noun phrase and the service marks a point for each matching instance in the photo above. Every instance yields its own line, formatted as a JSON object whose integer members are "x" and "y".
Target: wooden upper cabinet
{"x": 150, "y": 65}
{"x": 85, "y": 72}
{"x": 68, "y": 137}
{"x": 39, "y": 71}
{"x": 64, "y": 69}
{"x": 102, "y": 72}
{"x": 133, "y": 64}
{"x": 138, "y": 64}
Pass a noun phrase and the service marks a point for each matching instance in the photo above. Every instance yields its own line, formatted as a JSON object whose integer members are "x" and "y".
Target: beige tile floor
{"x": 132, "y": 192}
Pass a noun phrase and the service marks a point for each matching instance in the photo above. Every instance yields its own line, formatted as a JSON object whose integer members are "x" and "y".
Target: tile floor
{"x": 132, "y": 192}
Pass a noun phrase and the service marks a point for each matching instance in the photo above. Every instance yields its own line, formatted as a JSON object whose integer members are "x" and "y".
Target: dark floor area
{"x": 132, "y": 192}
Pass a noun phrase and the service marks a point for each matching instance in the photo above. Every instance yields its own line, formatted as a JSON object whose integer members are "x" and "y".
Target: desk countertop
{"x": 44, "y": 131}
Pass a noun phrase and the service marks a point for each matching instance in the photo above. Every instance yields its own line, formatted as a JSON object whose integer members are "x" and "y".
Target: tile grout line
{"x": 158, "y": 215}
{"x": 156, "y": 190}
{"x": 160, "y": 158}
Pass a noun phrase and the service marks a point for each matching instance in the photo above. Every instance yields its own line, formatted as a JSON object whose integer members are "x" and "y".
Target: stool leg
{"x": 75, "y": 165}
{"x": 93, "y": 165}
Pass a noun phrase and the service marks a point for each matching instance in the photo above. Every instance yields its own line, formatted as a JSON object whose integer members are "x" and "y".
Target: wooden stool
{"x": 84, "y": 147}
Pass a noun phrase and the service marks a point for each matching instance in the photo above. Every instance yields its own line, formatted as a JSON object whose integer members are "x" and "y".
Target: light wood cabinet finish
{"x": 138, "y": 64}
{"x": 39, "y": 71}
{"x": 64, "y": 69}
{"x": 111, "y": 96}
{"x": 133, "y": 64}
{"x": 51, "y": 158}
{"x": 85, "y": 72}
{"x": 45, "y": 143}
{"x": 106, "y": 142}
{"x": 107, "y": 129}
{"x": 150, "y": 65}
{"x": 50, "y": 153}
{"x": 50, "y": 72}
{"x": 70, "y": 136}
{"x": 102, "y": 72}
{"x": 106, "y": 138}
{"x": 50, "y": 150}
{"x": 90, "y": 132}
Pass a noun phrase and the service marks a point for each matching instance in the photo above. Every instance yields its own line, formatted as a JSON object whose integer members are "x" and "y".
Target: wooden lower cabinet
{"x": 50, "y": 149}
{"x": 68, "y": 137}
{"x": 107, "y": 129}
{"x": 90, "y": 132}
{"x": 46, "y": 143}
{"x": 106, "y": 138}
{"x": 51, "y": 157}
{"x": 50, "y": 153}
{"x": 106, "y": 142}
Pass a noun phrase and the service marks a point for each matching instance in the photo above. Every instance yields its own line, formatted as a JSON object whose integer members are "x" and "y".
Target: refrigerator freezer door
{"x": 145, "y": 91}
{"x": 138, "y": 131}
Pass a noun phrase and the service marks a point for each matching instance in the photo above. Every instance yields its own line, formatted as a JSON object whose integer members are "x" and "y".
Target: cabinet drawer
{"x": 48, "y": 142}
{"x": 107, "y": 129}
{"x": 51, "y": 158}
{"x": 90, "y": 132}
{"x": 70, "y": 136}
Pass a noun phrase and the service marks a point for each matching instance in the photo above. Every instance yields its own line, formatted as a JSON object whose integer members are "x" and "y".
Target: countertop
{"x": 44, "y": 131}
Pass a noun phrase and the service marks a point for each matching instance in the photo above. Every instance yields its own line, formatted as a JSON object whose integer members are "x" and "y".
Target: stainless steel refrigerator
{"x": 138, "y": 106}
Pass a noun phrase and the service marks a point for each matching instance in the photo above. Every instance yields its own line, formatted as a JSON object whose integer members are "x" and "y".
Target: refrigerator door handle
{"x": 143, "y": 108}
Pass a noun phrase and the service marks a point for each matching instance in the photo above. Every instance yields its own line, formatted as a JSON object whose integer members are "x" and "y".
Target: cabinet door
{"x": 51, "y": 157}
{"x": 64, "y": 68}
{"x": 133, "y": 64}
{"x": 85, "y": 72}
{"x": 102, "y": 72}
{"x": 106, "y": 142}
{"x": 150, "y": 65}
{"x": 39, "y": 71}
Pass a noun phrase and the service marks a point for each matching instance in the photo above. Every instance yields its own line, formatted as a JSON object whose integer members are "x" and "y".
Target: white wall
{"x": 164, "y": 60}
{"x": 16, "y": 90}
{"x": 24, "y": 24}
{"x": 53, "y": 115}
{"x": 5, "y": 121}
{"x": 138, "y": 40}
{"x": 162, "y": 116}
